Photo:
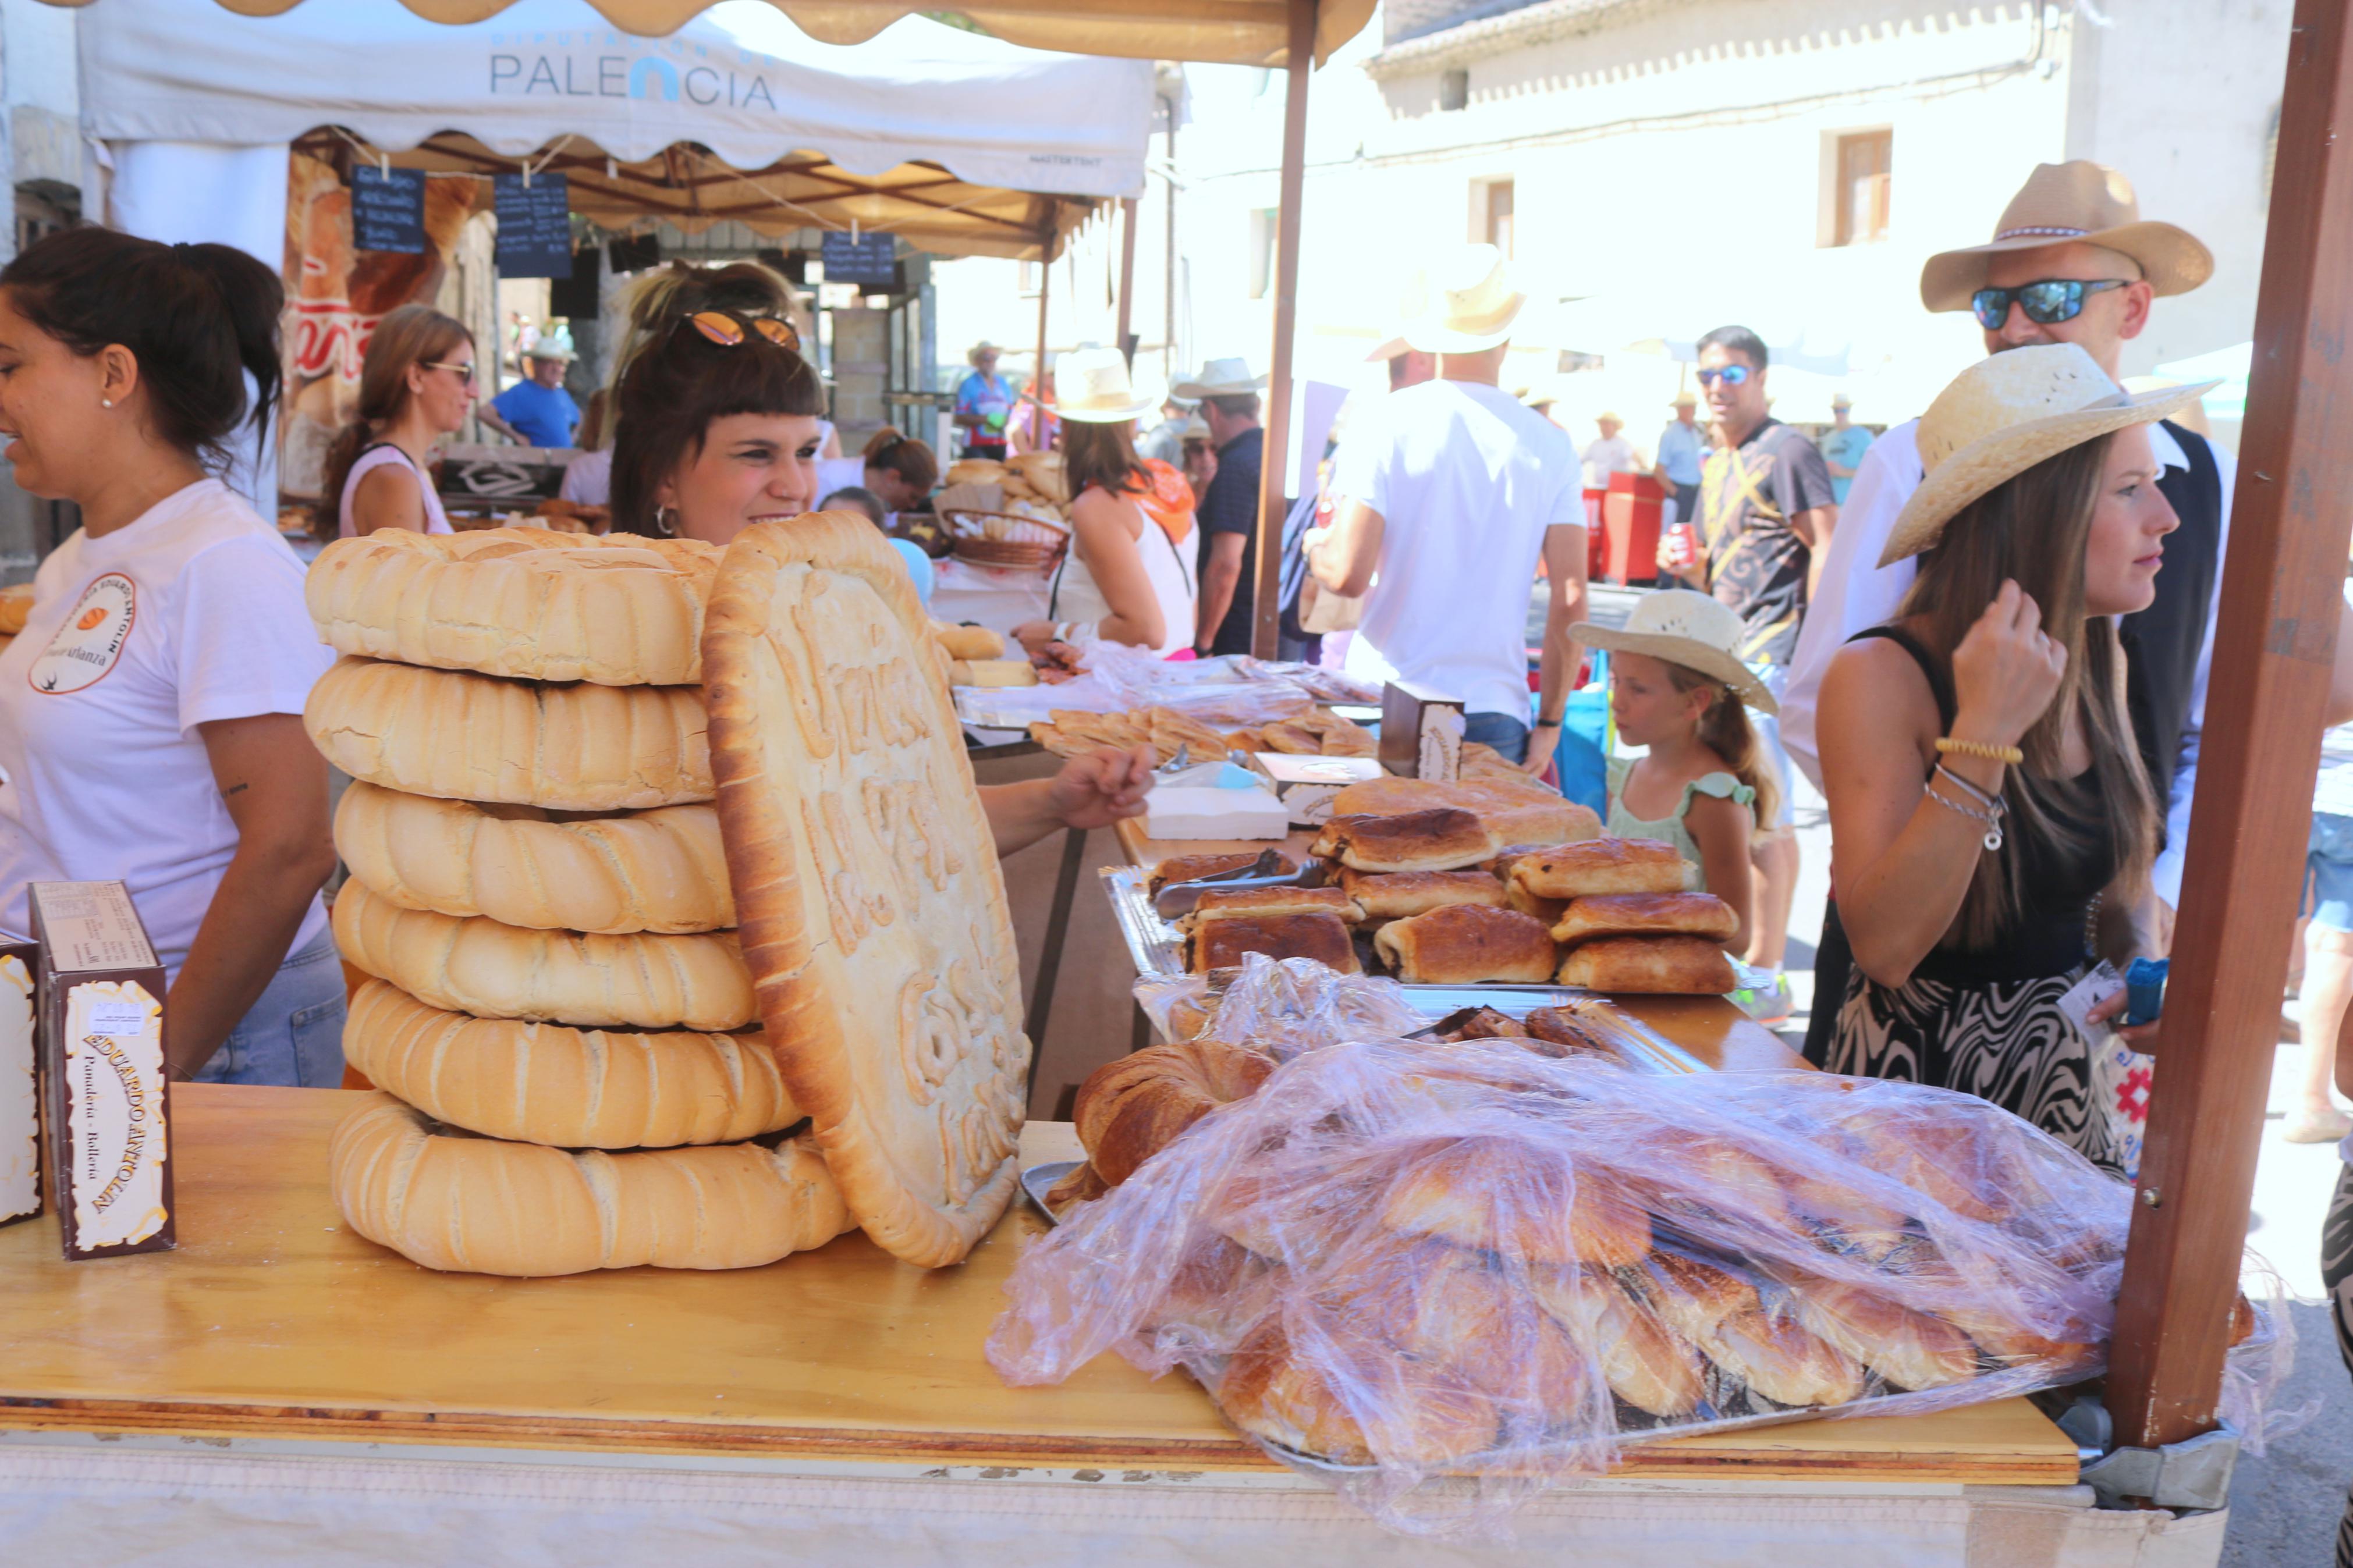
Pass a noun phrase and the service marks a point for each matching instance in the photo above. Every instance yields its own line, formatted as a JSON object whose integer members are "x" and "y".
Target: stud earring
{"x": 106, "y": 403}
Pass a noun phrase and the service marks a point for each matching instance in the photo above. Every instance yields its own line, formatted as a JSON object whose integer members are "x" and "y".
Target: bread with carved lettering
{"x": 1603, "y": 866}
{"x": 1130, "y": 1109}
{"x": 1645, "y": 914}
{"x": 570, "y": 1088}
{"x": 478, "y": 966}
{"x": 1396, "y": 895}
{"x": 659, "y": 871}
{"x": 452, "y": 1201}
{"x": 1657, "y": 965}
{"x": 463, "y": 736}
{"x": 1443, "y": 839}
{"x": 1467, "y": 945}
{"x": 873, "y": 916}
{"x": 529, "y": 604}
{"x": 1223, "y": 945}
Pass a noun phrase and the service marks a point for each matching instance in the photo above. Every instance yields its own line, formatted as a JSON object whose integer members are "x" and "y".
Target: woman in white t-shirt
{"x": 150, "y": 713}
{"x": 417, "y": 386}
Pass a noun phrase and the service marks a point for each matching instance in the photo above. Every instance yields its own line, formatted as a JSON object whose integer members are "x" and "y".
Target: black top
{"x": 2060, "y": 884}
{"x": 1757, "y": 565}
{"x": 1232, "y": 507}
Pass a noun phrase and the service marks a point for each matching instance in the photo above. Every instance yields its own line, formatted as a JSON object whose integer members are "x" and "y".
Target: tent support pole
{"x": 1266, "y": 607}
{"x": 1168, "y": 261}
{"x": 1045, "y": 277}
{"x": 2273, "y": 642}
{"x": 1127, "y": 279}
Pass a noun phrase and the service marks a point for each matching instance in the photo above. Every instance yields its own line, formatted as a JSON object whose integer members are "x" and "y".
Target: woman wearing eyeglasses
{"x": 718, "y": 432}
{"x": 416, "y": 386}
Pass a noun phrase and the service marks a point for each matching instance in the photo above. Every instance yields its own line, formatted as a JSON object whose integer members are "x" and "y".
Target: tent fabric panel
{"x": 1227, "y": 32}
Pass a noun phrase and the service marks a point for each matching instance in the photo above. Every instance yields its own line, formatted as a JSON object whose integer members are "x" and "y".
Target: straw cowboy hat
{"x": 2067, "y": 204}
{"x": 1840, "y": 400}
{"x": 1220, "y": 378}
{"x": 1091, "y": 387}
{"x": 2006, "y": 412}
{"x": 555, "y": 347}
{"x": 1464, "y": 304}
{"x": 972, "y": 355}
{"x": 1685, "y": 400}
{"x": 1690, "y": 629}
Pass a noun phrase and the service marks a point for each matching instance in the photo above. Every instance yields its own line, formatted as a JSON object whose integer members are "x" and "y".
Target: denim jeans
{"x": 1508, "y": 735}
{"x": 294, "y": 1036}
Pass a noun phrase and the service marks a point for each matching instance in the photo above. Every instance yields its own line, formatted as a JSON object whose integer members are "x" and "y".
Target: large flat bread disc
{"x": 527, "y": 602}
{"x": 873, "y": 913}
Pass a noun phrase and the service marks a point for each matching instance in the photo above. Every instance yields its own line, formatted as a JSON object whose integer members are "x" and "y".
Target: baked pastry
{"x": 478, "y": 966}
{"x": 968, "y": 642}
{"x": 872, "y": 914}
{"x": 1646, "y": 914}
{"x": 992, "y": 672}
{"x": 529, "y": 604}
{"x": 15, "y": 607}
{"x": 1130, "y": 1109}
{"x": 1445, "y": 840}
{"x": 1082, "y": 1185}
{"x": 573, "y": 1089}
{"x": 1479, "y": 1024}
{"x": 452, "y": 1201}
{"x": 1044, "y": 473}
{"x": 1496, "y": 1195}
{"x": 472, "y": 737}
{"x": 974, "y": 471}
{"x": 659, "y": 871}
{"x": 1652, "y": 966}
{"x": 1561, "y": 1032}
{"x": 1520, "y": 811}
{"x": 1779, "y": 1357}
{"x": 1603, "y": 866}
{"x": 1223, "y": 943}
{"x": 1193, "y": 868}
{"x": 1280, "y": 1397}
{"x": 1645, "y": 1362}
{"x": 1254, "y": 903}
{"x": 1398, "y": 894}
{"x": 1467, "y": 945}
{"x": 1691, "y": 1295}
{"x": 1909, "y": 1349}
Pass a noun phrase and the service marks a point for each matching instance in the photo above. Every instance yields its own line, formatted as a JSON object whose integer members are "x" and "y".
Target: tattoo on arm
{"x": 233, "y": 789}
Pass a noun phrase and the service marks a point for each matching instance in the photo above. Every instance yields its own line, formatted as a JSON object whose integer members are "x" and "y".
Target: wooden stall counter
{"x": 273, "y": 1321}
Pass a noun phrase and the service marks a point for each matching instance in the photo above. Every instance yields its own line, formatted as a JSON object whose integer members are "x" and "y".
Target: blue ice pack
{"x": 2145, "y": 989}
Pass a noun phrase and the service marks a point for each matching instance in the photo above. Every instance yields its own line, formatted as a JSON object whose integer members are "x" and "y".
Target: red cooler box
{"x": 1629, "y": 526}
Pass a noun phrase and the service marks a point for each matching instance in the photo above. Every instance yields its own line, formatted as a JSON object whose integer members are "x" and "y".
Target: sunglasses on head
{"x": 464, "y": 372}
{"x": 2052, "y": 299}
{"x": 1730, "y": 375}
{"x": 727, "y": 330}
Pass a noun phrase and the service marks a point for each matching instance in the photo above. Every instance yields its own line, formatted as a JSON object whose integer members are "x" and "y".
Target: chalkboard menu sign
{"x": 534, "y": 225}
{"x": 868, "y": 260}
{"x": 388, "y": 209}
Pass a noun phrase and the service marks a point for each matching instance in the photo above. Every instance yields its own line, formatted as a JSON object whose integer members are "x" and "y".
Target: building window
{"x": 1454, "y": 89}
{"x": 1262, "y": 251}
{"x": 1497, "y": 229}
{"x": 1862, "y": 170}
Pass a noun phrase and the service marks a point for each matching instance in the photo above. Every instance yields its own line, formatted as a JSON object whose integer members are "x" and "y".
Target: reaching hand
{"x": 1099, "y": 789}
{"x": 2006, "y": 672}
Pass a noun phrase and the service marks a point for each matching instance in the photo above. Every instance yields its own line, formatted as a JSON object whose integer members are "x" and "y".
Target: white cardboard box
{"x": 1193, "y": 811}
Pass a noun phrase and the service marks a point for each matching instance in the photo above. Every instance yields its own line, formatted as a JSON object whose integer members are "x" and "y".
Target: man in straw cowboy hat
{"x": 1844, "y": 445}
{"x": 2072, "y": 261}
{"x": 1229, "y": 397}
{"x": 1682, "y": 453}
{"x": 983, "y": 402}
{"x": 1449, "y": 493}
{"x": 1986, "y": 793}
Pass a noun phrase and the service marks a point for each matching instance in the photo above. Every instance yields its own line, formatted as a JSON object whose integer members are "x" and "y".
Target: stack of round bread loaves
{"x": 560, "y": 1012}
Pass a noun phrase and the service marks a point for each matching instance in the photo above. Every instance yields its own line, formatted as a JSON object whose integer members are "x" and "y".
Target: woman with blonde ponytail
{"x": 1678, "y": 688}
{"x": 416, "y": 386}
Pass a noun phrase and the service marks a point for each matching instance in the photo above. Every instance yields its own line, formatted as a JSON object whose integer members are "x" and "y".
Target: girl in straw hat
{"x": 1677, "y": 687}
{"x": 1986, "y": 794}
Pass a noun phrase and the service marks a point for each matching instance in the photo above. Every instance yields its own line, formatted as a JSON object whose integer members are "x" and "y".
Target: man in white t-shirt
{"x": 1612, "y": 454}
{"x": 1451, "y": 491}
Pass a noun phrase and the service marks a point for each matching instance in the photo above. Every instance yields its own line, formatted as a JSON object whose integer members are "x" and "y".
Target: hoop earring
{"x": 663, "y": 524}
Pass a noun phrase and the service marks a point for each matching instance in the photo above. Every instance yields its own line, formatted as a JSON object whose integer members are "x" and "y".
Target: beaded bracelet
{"x": 1985, "y": 749}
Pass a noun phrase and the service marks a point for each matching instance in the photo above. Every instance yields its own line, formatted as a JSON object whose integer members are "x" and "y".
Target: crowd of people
{"x": 1985, "y": 636}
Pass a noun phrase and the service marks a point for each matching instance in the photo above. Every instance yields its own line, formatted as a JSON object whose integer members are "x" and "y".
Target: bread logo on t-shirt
{"x": 91, "y": 642}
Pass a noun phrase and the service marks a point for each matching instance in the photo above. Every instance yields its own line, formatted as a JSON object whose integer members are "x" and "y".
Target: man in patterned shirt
{"x": 1765, "y": 518}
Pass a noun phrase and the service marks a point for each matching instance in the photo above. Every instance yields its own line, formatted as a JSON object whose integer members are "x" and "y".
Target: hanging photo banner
{"x": 869, "y": 259}
{"x": 388, "y": 209}
{"x": 534, "y": 225}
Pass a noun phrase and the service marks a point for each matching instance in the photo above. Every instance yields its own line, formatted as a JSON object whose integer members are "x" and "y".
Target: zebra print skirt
{"x": 2006, "y": 1042}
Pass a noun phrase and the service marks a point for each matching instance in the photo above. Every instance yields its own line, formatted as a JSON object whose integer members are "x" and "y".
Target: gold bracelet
{"x": 1986, "y": 749}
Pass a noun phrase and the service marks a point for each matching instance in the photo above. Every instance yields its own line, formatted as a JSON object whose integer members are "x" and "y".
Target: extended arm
{"x": 1564, "y": 557}
{"x": 1722, "y": 829}
{"x": 1090, "y": 792}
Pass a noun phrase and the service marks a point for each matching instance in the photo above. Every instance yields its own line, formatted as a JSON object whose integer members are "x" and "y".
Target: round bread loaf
{"x": 661, "y": 871}
{"x": 471, "y": 737}
{"x": 452, "y": 1201}
{"x": 493, "y": 970}
{"x": 573, "y": 1088}
{"x": 527, "y": 602}
{"x": 1130, "y": 1109}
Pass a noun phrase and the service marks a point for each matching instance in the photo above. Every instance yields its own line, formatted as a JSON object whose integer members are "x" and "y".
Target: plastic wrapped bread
{"x": 1399, "y": 1260}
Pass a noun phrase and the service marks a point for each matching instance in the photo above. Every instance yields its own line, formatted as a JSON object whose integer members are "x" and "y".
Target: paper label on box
{"x": 1441, "y": 755}
{"x": 20, "y": 1116}
{"x": 114, "y": 1066}
{"x": 91, "y": 925}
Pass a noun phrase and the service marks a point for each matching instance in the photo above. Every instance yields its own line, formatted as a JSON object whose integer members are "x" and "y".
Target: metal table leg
{"x": 1049, "y": 956}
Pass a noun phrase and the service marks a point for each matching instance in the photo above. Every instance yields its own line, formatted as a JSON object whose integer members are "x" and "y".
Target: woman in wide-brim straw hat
{"x": 1986, "y": 798}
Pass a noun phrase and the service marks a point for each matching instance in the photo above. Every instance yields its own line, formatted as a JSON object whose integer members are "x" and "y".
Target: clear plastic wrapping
{"x": 1445, "y": 1277}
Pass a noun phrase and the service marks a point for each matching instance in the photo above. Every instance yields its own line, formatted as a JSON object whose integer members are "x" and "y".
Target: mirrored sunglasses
{"x": 2051, "y": 300}
{"x": 728, "y": 331}
{"x": 1730, "y": 375}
